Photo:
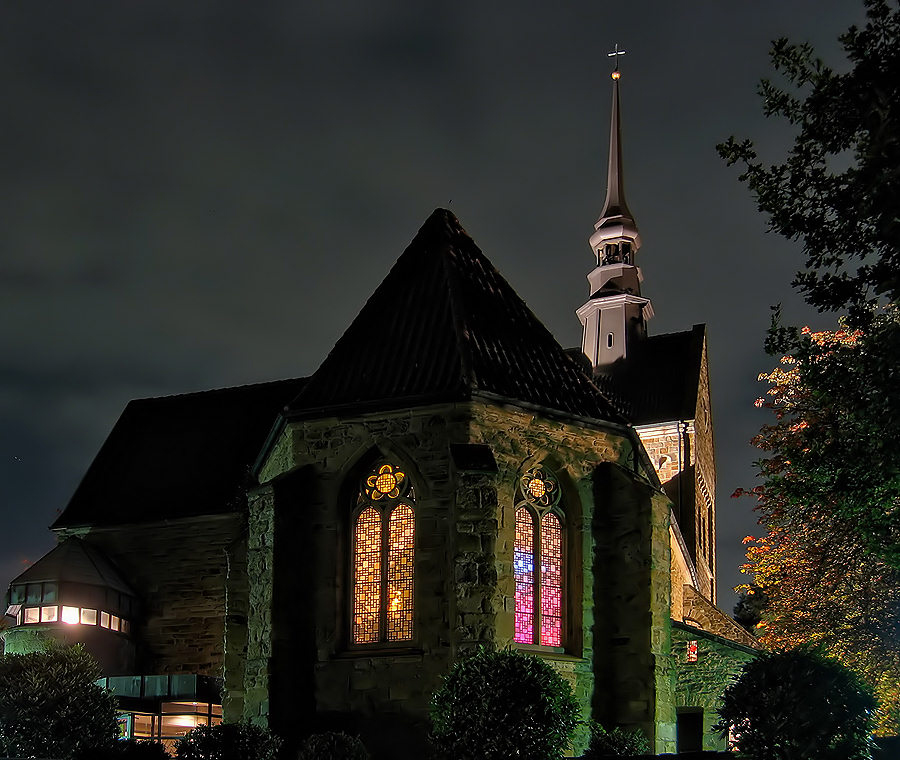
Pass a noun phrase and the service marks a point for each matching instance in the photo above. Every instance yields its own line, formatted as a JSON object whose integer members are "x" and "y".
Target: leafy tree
{"x": 837, "y": 190}
{"x": 498, "y": 705}
{"x": 797, "y": 705}
{"x": 228, "y": 741}
{"x": 822, "y": 583}
{"x": 50, "y": 705}
{"x": 751, "y": 603}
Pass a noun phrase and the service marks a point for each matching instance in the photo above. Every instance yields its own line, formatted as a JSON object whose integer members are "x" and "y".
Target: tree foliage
{"x": 50, "y": 705}
{"x": 838, "y": 189}
{"x": 332, "y": 745}
{"x": 498, "y": 705}
{"x": 826, "y": 511}
{"x": 797, "y": 705}
{"x": 615, "y": 742}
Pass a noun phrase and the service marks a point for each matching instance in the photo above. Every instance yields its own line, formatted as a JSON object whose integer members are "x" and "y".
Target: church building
{"x": 314, "y": 554}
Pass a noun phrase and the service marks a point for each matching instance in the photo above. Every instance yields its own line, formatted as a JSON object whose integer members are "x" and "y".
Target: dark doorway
{"x": 690, "y": 730}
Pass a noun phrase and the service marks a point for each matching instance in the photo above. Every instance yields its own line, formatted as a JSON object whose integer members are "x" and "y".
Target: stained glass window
{"x": 524, "y": 571}
{"x": 384, "y": 558}
{"x": 538, "y": 561}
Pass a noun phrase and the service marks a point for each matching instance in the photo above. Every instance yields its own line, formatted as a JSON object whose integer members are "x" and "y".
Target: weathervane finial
{"x": 615, "y": 54}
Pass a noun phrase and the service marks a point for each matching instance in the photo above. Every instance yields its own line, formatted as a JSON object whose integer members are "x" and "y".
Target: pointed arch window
{"x": 383, "y": 570}
{"x": 538, "y": 560}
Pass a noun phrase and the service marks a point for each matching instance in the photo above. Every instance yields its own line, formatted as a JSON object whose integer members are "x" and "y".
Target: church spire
{"x": 615, "y": 316}
{"x": 616, "y": 224}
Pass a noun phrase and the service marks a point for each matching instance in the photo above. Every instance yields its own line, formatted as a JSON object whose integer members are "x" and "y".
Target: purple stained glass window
{"x": 551, "y": 581}
{"x": 523, "y": 562}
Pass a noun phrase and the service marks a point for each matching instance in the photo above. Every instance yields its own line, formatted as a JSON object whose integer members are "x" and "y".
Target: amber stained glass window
{"x": 384, "y": 558}
{"x": 523, "y": 561}
{"x": 401, "y": 542}
{"x": 367, "y": 577}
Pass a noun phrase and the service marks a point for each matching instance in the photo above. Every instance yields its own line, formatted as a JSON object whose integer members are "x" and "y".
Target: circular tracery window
{"x": 386, "y": 481}
{"x": 540, "y": 487}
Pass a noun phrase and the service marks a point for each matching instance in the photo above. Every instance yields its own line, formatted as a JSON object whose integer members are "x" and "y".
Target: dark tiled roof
{"x": 443, "y": 325}
{"x": 178, "y": 456}
{"x": 75, "y": 561}
{"x": 660, "y": 380}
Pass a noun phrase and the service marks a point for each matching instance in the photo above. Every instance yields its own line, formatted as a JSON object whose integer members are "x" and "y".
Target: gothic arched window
{"x": 538, "y": 560}
{"x": 384, "y": 528}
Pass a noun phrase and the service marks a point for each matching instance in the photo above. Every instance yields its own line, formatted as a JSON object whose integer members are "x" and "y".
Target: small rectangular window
{"x": 692, "y": 651}
{"x": 32, "y": 614}
{"x": 113, "y": 623}
{"x": 17, "y": 595}
{"x": 104, "y": 620}
{"x": 71, "y": 615}
{"x": 50, "y": 592}
{"x": 88, "y": 617}
{"x": 33, "y": 593}
{"x": 124, "y": 626}
{"x": 49, "y": 614}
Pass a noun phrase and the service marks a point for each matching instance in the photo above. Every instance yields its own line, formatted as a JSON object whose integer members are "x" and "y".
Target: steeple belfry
{"x": 616, "y": 313}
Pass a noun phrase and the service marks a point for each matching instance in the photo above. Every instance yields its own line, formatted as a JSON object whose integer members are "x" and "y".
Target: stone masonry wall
{"x": 180, "y": 569}
{"x": 702, "y": 683}
{"x": 464, "y": 569}
{"x": 381, "y": 692}
{"x": 605, "y": 563}
{"x": 705, "y": 494}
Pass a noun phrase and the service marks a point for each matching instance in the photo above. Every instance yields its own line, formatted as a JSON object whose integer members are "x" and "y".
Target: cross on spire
{"x": 615, "y": 55}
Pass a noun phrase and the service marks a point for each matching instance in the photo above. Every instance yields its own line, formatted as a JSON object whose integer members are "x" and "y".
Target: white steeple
{"x": 615, "y": 315}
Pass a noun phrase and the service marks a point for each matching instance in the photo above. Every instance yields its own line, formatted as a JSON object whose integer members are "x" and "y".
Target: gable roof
{"x": 74, "y": 561}
{"x": 660, "y": 379}
{"x": 443, "y": 326}
{"x": 177, "y": 456}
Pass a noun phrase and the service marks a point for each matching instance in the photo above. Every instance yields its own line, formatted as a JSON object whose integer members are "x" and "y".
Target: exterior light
{"x": 71, "y": 615}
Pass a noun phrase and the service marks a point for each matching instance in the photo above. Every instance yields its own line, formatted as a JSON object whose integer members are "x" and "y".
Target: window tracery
{"x": 538, "y": 560}
{"x": 383, "y": 557}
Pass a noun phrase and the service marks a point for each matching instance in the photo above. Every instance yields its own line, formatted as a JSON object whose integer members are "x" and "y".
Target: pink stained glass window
{"x": 551, "y": 581}
{"x": 401, "y": 556}
{"x": 367, "y": 577}
{"x": 523, "y": 562}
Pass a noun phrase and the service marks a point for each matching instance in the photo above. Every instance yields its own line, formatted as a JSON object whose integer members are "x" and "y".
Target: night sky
{"x": 203, "y": 194}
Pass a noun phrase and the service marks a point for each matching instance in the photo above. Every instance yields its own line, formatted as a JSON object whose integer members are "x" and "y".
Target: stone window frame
{"x": 359, "y": 505}
{"x": 537, "y": 512}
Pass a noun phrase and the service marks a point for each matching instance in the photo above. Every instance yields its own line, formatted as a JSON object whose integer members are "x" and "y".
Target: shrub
{"x": 798, "y": 705}
{"x": 134, "y": 749}
{"x": 498, "y": 705}
{"x": 50, "y": 705}
{"x": 228, "y": 741}
{"x": 616, "y": 743}
{"x": 332, "y": 745}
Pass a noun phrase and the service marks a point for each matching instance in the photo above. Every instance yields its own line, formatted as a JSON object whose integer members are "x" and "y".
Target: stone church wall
{"x": 700, "y": 684}
{"x": 181, "y": 583}
{"x": 302, "y": 673}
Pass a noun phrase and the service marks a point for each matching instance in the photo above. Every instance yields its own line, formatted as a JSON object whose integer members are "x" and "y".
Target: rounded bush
{"x": 228, "y": 741}
{"x": 617, "y": 742}
{"x": 332, "y": 745}
{"x": 798, "y": 705}
{"x": 499, "y": 705}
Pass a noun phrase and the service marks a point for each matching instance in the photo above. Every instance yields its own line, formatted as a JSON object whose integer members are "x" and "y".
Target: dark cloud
{"x": 203, "y": 194}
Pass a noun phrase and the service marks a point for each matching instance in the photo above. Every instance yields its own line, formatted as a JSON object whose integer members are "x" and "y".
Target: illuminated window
{"x": 383, "y": 557}
{"x": 70, "y": 615}
{"x": 32, "y": 614}
{"x": 88, "y": 617}
{"x": 692, "y": 651}
{"x": 538, "y": 560}
{"x": 48, "y": 614}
